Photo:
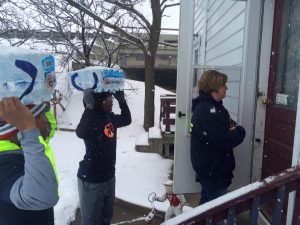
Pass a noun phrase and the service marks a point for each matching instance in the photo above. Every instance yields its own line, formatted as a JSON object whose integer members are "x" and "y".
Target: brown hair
{"x": 211, "y": 80}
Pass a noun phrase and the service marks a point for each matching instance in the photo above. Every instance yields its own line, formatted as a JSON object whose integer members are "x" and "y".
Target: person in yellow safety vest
{"x": 28, "y": 179}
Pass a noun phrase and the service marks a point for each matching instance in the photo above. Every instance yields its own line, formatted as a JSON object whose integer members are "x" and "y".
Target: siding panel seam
{"x": 227, "y": 38}
{"x": 216, "y": 10}
{"x": 226, "y": 25}
{"x": 225, "y": 53}
{"x": 229, "y": 8}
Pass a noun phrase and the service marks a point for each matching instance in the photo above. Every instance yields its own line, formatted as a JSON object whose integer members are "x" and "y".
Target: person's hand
{"x": 88, "y": 98}
{"x": 119, "y": 95}
{"x": 16, "y": 114}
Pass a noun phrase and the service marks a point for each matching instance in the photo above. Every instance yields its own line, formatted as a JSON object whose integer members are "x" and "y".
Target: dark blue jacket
{"x": 212, "y": 142}
{"x": 99, "y": 132}
{"x": 28, "y": 185}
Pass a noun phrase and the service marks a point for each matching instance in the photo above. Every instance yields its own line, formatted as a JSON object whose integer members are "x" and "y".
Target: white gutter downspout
{"x": 295, "y": 160}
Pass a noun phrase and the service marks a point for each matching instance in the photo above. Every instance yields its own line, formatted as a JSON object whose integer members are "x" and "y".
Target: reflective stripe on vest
{"x": 191, "y": 127}
{"x": 52, "y": 122}
{"x": 49, "y": 154}
{"x": 8, "y": 146}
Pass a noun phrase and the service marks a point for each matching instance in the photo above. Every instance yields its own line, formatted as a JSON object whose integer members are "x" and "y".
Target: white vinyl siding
{"x": 225, "y": 32}
{"x": 220, "y": 25}
{"x": 199, "y": 17}
{"x": 199, "y": 31}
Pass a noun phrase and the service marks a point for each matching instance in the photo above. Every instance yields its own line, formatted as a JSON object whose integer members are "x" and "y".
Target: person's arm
{"x": 86, "y": 126}
{"x": 124, "y": 119}
{"x": 206, "y": 126}
{"x": 37, "y": 189}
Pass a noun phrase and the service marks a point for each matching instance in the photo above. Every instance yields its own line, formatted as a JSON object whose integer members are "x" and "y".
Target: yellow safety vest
{"x": 6, "y": 145}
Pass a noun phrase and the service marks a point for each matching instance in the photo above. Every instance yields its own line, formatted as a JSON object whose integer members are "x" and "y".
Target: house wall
{"x": 221, "y": 26}
{"x": 223, "y": 33}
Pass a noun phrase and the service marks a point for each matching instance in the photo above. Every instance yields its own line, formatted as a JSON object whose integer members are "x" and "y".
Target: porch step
{"x": 142, "y": 148}
{"x": 155, "y": 142}
{"x": 142, "y": 144}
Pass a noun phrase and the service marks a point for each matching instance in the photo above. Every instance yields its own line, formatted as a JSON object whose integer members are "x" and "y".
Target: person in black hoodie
{"x": 213, "y": 136}
{"x": 96, "y": 174}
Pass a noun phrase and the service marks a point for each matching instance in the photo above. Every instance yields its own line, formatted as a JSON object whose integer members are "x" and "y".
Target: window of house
{"x": 288, "y": 69}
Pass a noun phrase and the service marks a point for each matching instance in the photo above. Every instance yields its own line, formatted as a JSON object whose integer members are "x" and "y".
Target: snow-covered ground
{"x": 137, "y": 174}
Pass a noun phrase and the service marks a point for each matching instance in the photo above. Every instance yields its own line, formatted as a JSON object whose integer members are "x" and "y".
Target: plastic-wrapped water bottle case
{"x": 101, "y": 79}
{"x": 27, "y": 74}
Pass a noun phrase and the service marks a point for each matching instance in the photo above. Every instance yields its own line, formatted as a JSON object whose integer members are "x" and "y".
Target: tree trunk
{"x": 150, "y": 64}
{"x": 149, "y": 92}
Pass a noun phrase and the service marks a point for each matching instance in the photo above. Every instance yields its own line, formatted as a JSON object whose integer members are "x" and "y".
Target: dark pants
{"x": 209, "y": 193}
{"x": 96, "y": 202}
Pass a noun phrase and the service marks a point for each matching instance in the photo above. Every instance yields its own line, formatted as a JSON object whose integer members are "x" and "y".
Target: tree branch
{"x": 163, "y": 2}
{"x": 130, "y": 8}
{"x": 130, "y": 37}
{"x": 167, "y": 44}
{"x": 167, "y": 6}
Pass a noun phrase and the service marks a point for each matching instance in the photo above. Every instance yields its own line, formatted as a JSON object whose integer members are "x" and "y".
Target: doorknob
{"x": 180, "y": 114}
{"x": 258, "y": 140}
{"x": 267, "y": 101}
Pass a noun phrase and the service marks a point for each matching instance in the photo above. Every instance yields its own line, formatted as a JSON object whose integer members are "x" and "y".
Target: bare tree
{"x": 75, "y": 35}
{"x": 12, "y": 21}
{"x": 127, "y": 12}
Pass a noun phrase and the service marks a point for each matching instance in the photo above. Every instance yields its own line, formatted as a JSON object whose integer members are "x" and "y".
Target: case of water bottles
{"x": 27, "y": 74}
{"x": 101, "y": 79}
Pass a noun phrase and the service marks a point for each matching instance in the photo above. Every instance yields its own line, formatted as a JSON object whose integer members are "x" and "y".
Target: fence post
{"x": 296, "y": 214}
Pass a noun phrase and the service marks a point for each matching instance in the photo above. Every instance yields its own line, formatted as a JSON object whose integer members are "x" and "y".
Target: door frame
{"x": 184, "y": 71}
{"x": 262, "y": 87}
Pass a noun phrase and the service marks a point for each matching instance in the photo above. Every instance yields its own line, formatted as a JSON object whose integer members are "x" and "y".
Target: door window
{"x": 287, "y": 82}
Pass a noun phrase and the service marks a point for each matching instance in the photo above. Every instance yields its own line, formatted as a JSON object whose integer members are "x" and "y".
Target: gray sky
{"x": 171, "y": 20}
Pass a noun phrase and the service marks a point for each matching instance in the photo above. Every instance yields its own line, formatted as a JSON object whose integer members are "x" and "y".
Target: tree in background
{"x": 128, "y": 15}
{"x": 75, "y": 35}
{"x": 11, "y": 21}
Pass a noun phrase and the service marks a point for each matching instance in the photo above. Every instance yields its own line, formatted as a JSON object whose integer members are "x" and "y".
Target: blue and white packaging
{"x": 101, "y": 79}
{"x": 27, "y": 74}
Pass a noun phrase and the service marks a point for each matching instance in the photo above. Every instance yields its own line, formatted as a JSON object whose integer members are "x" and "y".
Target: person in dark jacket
{"x": 96, "y": 174}
{"x": 28, "y": 179}
{"x": 213, "y": 136}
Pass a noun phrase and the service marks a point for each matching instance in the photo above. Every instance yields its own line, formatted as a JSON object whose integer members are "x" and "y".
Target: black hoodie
{"x": 212, "y": 142}
{"x": 98, "y": 129}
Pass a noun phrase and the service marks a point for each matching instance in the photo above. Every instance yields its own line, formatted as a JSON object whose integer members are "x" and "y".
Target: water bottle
{"x": 101, "y": 79}
{"x": 26, "y": 74}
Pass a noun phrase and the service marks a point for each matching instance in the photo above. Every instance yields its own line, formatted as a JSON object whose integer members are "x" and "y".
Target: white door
{"x": 184, "y": 177}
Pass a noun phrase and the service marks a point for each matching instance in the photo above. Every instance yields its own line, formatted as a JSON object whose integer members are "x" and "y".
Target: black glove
{"x": 119, "y": 95}
{"x": 88, "y": 98}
